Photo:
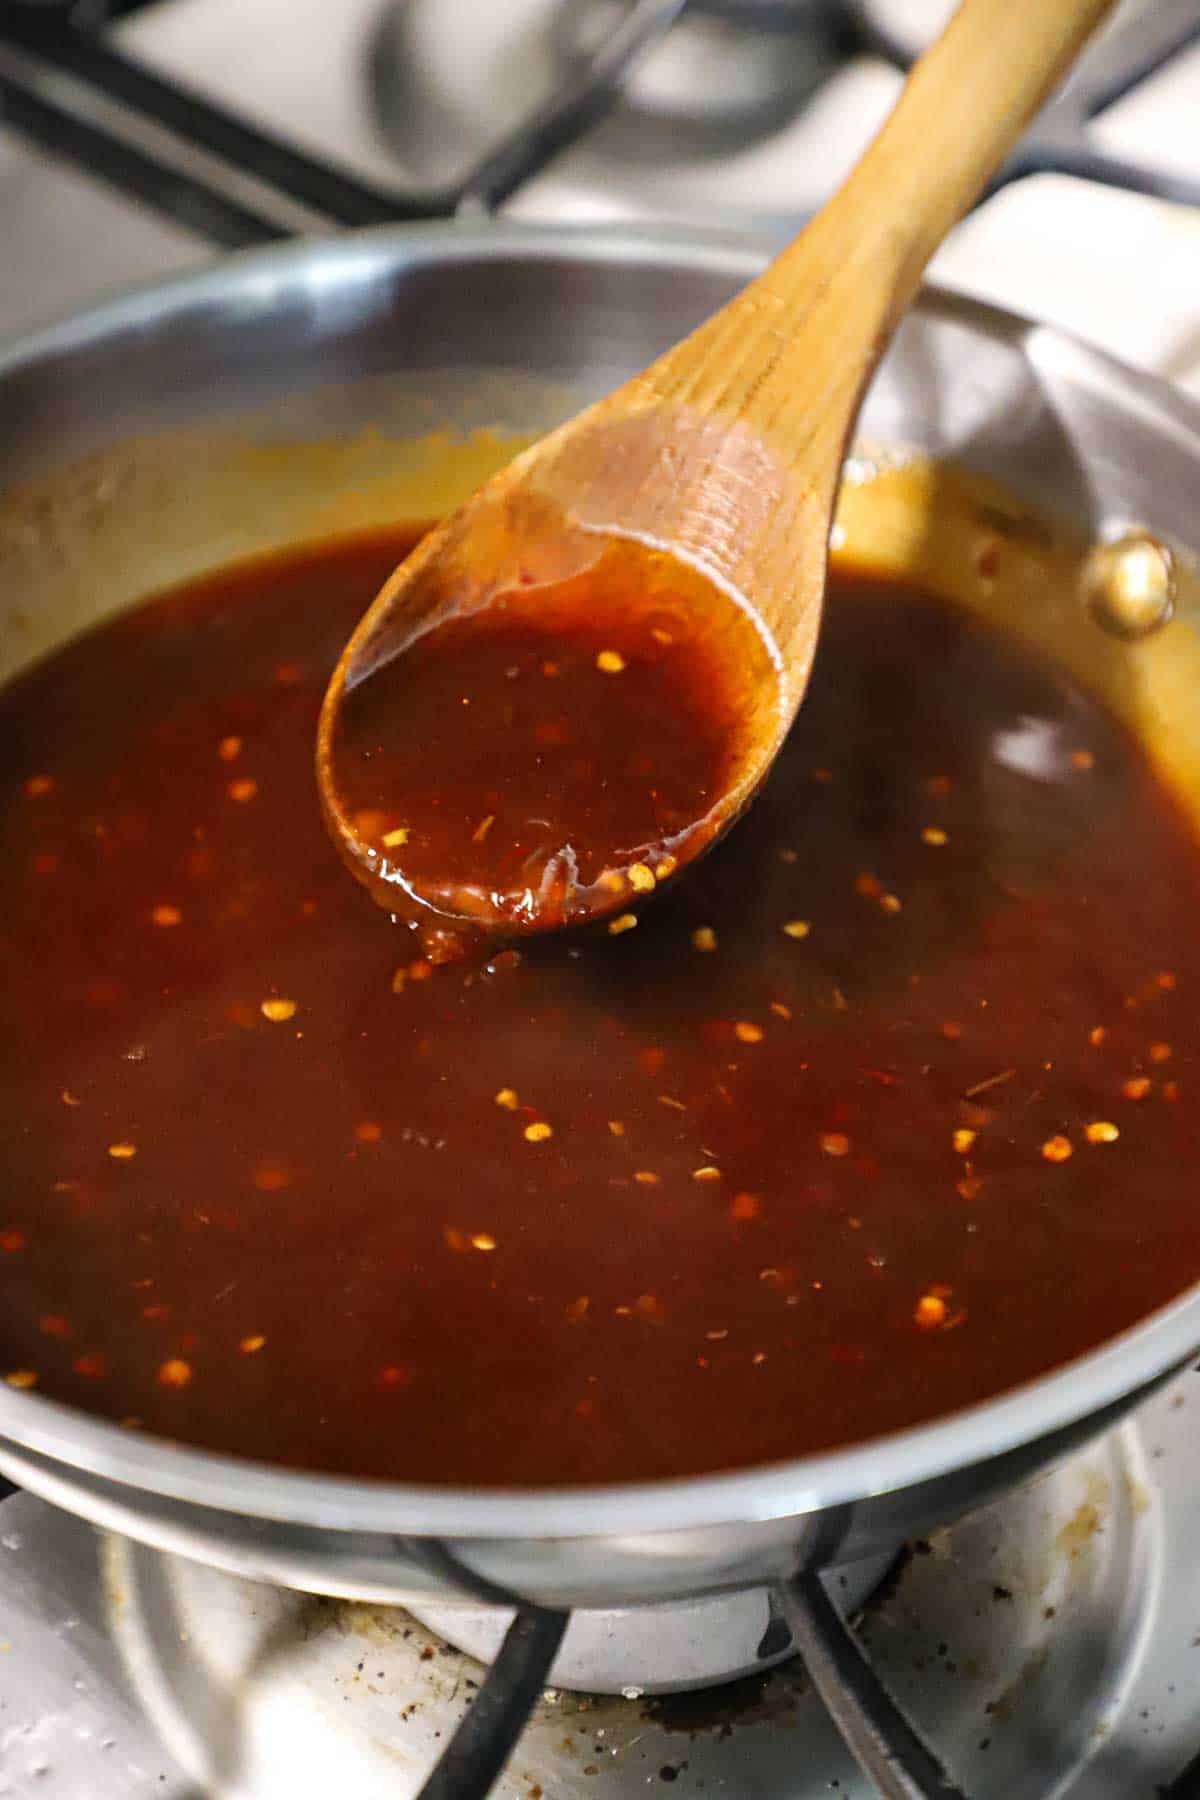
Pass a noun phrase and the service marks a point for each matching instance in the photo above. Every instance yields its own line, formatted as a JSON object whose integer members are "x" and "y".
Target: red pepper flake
{"x": 990, "y": 1081}
{"x": 759, "y": 1358}
{"x": 288, "y": 674}
{"x": 395, "y": 1376}
{"x": 1137, "y": 1087}
{"x": 277, "y": 1011}
{"x": 368, "y": 1131}
{"x": 938, "y": 784}
{"x": 272, "y": 1177}
{"x": 53, "y": 1325}
{"x": 969, "y": 1187}
{"x": 747, "y": 1033}
{"x": 166, "y": 916}
{"x": 706, "y": 1172}
{"x": 704, "y": 938}
{"x": 1101, "y": 1131}
{"x": 46, "y": 863}
{"x": 745, "y": 1206}
{"x": 951, "y": 1030}
{"x": 963, "y": 1139}
{"x": 175, "y": 1373}
{"x": 1170, "y": 1090}
{"x": 649, "y": 1307}
{"x": 1160, "y": 1053}
{"x": 250, "y": 1346}
{"x": 538, "y": 1132}
{"x": 156, "y": 1313}
{"x": 1166, "y": 980}
{"x": 12, "y": 1241}
{"x": 890, "y": 903}
{"x": 21, "y": 1378}
{"x": 869, "y": 886}
{"x": 577, "y": 1311}
{"x": 1096, "y": 1036}
{"x": 934, "y": 835}
{"x": 482, "y": 1240}
{"x": 610, "y": 662}
{"x": 37, "y": 785}
{"x": 122, "y": 1152}
{"x": 1082, "y": 759}
{"x": 617, "y": 1127}
{"x": 796, "y": 928}
{"x": 242, "y": 790}
{"x": 91, "y": 1365}
{"x": 1058, "y": 1149}
{"x": 647, "y": 1177}
{"x": 835, "y": 1143}
{"x": 69, "y": 1099}
{"x": 930, "y": 1312}
{"x": 229, "y": 749}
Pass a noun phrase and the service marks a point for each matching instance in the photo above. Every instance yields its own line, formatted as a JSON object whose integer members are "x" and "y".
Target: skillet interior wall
{"x": 92, "y": 537}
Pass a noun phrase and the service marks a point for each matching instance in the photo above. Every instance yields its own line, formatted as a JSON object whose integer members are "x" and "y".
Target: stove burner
{"x": 449, "y": 76}
{"x": 658, "y": 1649}
{"x": 1016, "y": 1642}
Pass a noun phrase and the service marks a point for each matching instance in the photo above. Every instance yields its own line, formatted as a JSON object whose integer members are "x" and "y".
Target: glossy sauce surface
{"x": 888, "y": 1105}
{"x": 552, "y": 755}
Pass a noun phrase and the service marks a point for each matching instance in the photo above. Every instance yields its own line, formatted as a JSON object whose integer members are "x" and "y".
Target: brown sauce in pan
{"x": 888, "y": 1105}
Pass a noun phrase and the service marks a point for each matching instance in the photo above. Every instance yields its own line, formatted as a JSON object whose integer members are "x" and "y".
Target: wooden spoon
{"x": 684, "y": 521}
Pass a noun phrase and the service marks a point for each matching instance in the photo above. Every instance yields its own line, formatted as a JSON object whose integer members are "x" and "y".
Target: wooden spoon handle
{"x": 828, "y": 304}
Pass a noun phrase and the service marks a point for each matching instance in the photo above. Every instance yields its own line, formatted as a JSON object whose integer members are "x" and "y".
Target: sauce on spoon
{"x": 552, "y": 756}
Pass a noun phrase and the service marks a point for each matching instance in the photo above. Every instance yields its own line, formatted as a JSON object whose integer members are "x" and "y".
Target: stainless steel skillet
{"x": 275, "y": 397}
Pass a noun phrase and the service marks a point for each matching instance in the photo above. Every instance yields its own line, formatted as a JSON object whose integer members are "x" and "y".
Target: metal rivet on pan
{"x": 1129, "y": 585}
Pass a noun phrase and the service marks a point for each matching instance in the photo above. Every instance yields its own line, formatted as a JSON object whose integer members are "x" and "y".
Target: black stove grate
{"x": 237, "y": 184}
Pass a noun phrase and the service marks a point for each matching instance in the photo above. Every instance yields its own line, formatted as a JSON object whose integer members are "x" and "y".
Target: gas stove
{"x": 1045, "y": 1646}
